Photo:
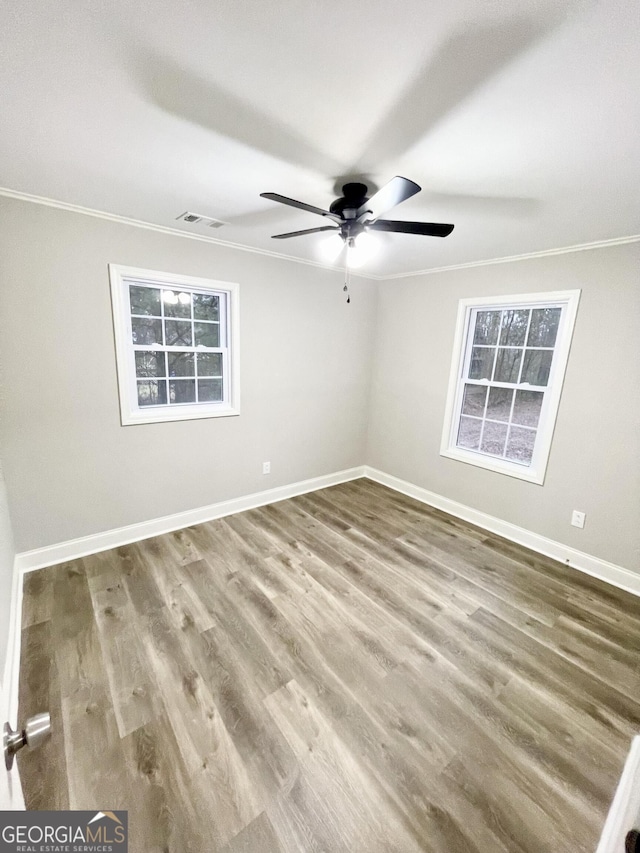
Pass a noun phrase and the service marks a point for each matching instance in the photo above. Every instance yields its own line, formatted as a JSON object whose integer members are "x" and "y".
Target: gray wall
{"x": 325, "y": 386}
{"x": 7, "y": 554}
{"x": 71, "y": 469}
{"x": 594, "y": 464}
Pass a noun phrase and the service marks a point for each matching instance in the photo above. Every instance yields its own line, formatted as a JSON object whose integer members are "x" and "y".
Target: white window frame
{"x": 568, "y": 300}
{"x": 130, "y": 411}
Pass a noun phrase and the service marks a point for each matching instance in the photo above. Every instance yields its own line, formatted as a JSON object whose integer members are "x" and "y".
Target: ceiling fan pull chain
{"x": 347, "y": 279}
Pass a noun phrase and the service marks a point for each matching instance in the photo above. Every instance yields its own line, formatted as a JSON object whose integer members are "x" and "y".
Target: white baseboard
{"x": 609, "y": 572}
{"x": 73, "y": 549}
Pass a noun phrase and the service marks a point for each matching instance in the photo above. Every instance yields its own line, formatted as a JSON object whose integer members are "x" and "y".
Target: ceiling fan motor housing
{"x": 354, "y": 196}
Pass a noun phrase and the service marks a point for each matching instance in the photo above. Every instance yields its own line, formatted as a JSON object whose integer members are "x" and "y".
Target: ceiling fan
{"x": 354, "y": 213}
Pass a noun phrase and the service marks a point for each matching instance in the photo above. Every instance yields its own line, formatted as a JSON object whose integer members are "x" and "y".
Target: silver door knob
{"x": 36, "y": 730}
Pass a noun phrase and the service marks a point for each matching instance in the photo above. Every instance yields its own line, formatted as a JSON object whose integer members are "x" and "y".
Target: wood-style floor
{"x": 344, "y": 671}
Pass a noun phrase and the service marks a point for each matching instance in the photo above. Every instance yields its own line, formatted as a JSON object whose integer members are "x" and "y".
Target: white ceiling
{"x": 519, "y": 118}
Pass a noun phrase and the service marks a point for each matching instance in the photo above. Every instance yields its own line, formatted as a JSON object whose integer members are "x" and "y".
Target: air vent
{"x": 196, "y": 218}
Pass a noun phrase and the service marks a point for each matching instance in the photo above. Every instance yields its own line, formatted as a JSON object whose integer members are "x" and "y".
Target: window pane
{"x": 144, "y": 300}
{"x": 507, "y": 365}
{"x": 182, "y": 390}
{"x": 176, "y": 303}
{"x": 481, "y": 363}
{"x": 469, "y": 433}
{"x": 514, "y": 327}
{"x": 206, "y": 306}
{"x": 146, "y": 331}
{"x": 544, "y": 327}
{"x": 526, "y": 410}
{"x": 499, "y": 405}
{"x": 520, "y": 446}
{"x": 209, "y": 390}
{"x": 487, "y": 326}
{"x": 474, "y": 399}
{"x": 178, "y": 333}
{"x": 494, "y": 438}
{"x": 180, "y": 364}
{"x": 207, "y": 334}
{"x": 537, "y": 364}
{"x": 209, "y": 363}
{"x": 150, "y": 364}
{"x": 152, "y": 393}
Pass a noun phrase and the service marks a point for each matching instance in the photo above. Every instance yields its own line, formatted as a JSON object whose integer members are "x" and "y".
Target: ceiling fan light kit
{"x": 361, "y": 249}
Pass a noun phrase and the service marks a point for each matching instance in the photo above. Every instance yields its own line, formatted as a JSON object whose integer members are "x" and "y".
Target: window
{"x": 509, "y": 359}
{"x": 176, "y": 346}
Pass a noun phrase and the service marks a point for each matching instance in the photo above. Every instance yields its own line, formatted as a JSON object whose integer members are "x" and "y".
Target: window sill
{"x": 499, "y": 466}
{"x": 183, "y": 413}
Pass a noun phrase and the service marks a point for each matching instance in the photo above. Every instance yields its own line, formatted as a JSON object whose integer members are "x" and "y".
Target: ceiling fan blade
{"x": 458, "y": 68}
{"x": 282, "y": 199}
{"x": 392, "y": 193}
{"x": 428, "y": 229}
{"x": 306, "y": 231}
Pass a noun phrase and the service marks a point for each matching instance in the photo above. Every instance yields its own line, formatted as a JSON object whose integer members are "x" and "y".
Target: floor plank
{"x": 349, "y": 670}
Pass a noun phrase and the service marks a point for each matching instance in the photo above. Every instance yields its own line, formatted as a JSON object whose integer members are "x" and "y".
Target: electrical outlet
{"x": 266, "y": 467}
{"x": 577, "y": 518}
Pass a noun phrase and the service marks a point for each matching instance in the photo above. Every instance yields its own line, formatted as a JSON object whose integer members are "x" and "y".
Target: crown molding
{"x": 241, "y": 247}
{"x": 543, "y": 253}
{"x": 165, "y": 229}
